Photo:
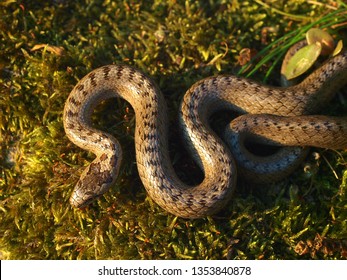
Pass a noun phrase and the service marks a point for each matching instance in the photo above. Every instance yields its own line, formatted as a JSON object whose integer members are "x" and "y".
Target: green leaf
{"x": 302, "y": 61}
{"x": 338, "y": 48}
{"x": 315, "y": 35}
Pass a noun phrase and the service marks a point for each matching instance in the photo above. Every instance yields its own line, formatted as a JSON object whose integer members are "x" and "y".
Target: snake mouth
{"x": 78, "y": 202}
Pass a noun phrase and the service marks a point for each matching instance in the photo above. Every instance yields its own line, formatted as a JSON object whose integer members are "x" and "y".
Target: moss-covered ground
{"x": 47, "y": 46}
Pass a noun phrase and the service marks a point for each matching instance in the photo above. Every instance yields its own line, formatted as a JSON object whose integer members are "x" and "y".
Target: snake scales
{"x": 279, "y": 118}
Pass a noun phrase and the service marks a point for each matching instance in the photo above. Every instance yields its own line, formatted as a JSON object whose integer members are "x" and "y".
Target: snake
{"x": 280, "y": 116}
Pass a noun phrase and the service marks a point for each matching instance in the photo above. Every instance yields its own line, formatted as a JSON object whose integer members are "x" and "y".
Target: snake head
{"x": 95, "y": 180}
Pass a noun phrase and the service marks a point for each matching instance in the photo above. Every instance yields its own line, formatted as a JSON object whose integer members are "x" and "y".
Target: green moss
{"x": 177, "y": 43}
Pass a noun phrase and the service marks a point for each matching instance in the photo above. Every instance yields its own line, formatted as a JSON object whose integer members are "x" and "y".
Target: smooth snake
{"x": 274, "y": 115}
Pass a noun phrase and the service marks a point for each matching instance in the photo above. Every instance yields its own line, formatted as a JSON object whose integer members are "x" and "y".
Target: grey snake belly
{"x": 274, "y": 115}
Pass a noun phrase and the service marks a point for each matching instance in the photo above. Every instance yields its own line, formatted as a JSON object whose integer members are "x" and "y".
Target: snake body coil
{"x": 211, "y": 154}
